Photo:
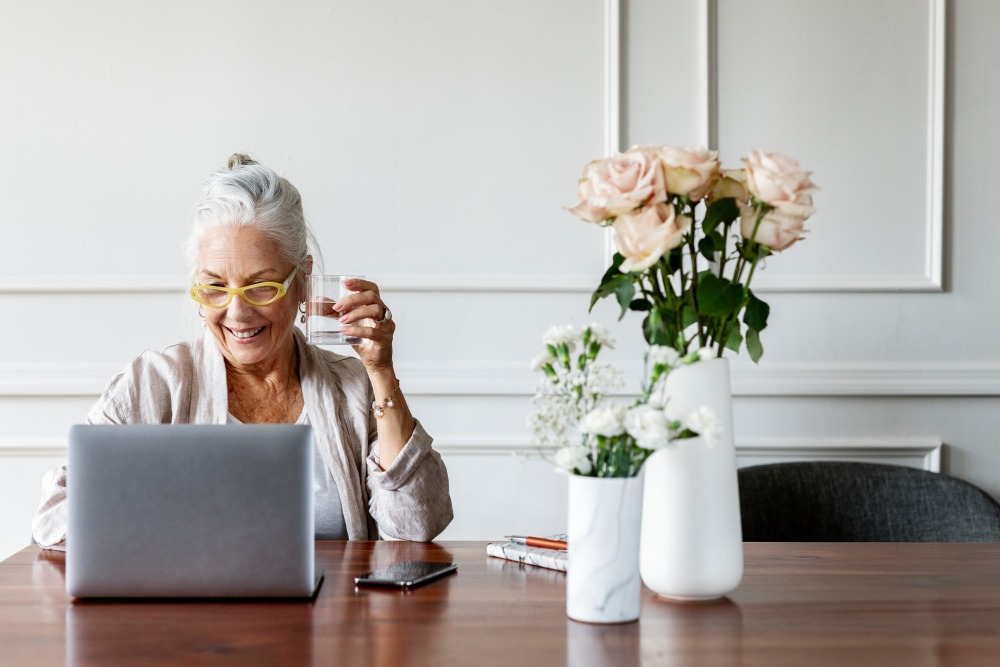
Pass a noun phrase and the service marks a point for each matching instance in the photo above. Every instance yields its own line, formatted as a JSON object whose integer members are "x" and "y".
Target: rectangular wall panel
{"x": 858, "y": 102}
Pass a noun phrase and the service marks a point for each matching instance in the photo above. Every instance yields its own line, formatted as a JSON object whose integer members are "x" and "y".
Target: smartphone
{"x": 407, "y": 574}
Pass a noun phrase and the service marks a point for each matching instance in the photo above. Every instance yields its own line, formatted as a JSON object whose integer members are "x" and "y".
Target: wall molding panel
{"x": 931, "y": 279}
{"x": 917, "y": 453}
{"x": 843, "y": 379}
{"x": 450, "y": 283}
{"x": 923, "y": 453}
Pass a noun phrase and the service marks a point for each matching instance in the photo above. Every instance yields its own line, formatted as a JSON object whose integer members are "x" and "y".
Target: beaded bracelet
{"x": 379, "y": 410}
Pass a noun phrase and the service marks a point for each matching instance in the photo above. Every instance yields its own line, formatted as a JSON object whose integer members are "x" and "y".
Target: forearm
{"x": 396, "y": 424}
{"x": 411, "y": 499}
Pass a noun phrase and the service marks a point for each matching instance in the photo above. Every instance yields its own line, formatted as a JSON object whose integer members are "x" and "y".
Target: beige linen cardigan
{"x": 186, "y": 384}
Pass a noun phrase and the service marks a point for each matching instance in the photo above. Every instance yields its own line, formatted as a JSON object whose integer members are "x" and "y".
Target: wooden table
{"x": 799, "y": 604}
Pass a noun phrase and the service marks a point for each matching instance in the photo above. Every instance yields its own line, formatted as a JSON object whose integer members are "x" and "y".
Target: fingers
{"x": 361, "y": 315}
{"x": 379, "y": 335}
{"x": 375, "y": 349}
{"x": 365, "y": 303}
{"x": 375, "y": 312}
{"x": 359, "y": 285}
{"x": 321, "y": 306}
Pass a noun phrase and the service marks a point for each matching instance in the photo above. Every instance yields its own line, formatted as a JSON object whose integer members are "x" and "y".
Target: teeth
{"x": 247, "y": 334}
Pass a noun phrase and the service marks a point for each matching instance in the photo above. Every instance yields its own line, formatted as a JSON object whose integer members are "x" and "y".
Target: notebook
{"x": 182, "y": 510}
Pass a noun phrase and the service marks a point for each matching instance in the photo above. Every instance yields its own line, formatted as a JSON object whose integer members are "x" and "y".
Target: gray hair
{"x": 248, "y": 194}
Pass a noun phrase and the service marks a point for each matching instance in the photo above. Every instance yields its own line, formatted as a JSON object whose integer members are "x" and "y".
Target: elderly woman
{"x": 249, "y": 249}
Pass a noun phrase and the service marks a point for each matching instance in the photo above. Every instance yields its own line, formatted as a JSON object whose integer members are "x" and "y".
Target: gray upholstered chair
{"x": 844, "y": 501}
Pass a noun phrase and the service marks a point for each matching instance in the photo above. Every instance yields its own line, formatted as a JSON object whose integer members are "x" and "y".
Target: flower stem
{"x": 693, "y": 250}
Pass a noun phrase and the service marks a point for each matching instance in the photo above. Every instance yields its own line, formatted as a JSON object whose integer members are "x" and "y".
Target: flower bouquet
{"x": 584, "y": 433}
{"x": 603, "y": 446}
{"x": 690, "y": 237}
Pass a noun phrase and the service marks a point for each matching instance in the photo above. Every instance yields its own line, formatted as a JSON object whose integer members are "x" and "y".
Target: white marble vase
{"x": 692, "y": 539}
{"x": 602, "y": 580}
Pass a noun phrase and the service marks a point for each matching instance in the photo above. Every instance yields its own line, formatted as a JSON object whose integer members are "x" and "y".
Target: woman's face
{"x": 250, "y": 337}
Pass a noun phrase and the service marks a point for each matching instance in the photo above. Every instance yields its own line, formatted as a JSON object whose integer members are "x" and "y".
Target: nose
{"x": 238, "y": 309}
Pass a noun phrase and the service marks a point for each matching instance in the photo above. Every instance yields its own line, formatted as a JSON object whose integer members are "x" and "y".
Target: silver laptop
{"x": 171, "y": 510}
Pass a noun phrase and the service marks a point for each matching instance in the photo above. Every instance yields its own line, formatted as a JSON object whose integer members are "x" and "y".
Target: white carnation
{"x": 658, "y": 397}
{"x": 661, "y": 354}
{"x": 573, "y": 458}
{"x": 704, "y": 422}
{"x": 606, "y": 420}
{"x": 543, "y": 359}
{"x": 706, "y": 353}
{"x": 601, "y": 335}
{"x": 648, "y": 425}
{"x": 560, "y": 334}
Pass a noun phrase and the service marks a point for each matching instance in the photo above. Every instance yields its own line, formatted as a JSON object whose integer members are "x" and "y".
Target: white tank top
{"x": 329, "y": 513}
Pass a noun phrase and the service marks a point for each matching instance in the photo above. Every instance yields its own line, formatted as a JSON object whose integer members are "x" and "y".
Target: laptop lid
{"x": 184, "y": 510}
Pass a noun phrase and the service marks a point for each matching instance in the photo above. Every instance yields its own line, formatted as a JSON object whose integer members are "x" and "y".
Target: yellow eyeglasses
{"x": 258, "y": 294}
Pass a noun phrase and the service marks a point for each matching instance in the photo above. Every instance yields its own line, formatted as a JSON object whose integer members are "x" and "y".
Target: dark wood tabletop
{"x": 799, "y": 604}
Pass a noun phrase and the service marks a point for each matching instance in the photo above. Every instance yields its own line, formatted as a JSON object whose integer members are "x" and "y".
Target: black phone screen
{"x": 406, "y": 574}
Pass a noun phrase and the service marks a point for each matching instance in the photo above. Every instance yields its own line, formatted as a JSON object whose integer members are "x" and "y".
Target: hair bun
{"x": 238, "y": 160}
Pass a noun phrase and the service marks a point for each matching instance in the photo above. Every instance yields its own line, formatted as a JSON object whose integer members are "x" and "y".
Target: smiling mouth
{"x": 244, "y": 334}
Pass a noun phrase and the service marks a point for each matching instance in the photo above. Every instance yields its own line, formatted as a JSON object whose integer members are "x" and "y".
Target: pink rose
{"x": 780, "y": 227}
{"x": 773, "y": 177}
{"x": 691, "y": 170}
{"x": 733, "y": 183}
{"x": 644, "y": 235}
{"x": 778, "y": 181}
{"x": 619, "y": 184}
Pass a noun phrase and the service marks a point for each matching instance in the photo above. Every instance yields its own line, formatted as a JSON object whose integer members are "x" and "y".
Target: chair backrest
{"x": 845, "y": 501}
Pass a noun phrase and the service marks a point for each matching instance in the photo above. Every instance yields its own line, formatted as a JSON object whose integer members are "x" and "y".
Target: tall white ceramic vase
{"x": 602, "y": 578}
{"x": 692, "y": 539}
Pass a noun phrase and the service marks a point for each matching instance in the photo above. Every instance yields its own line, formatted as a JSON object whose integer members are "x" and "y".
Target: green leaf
{"x": 614, "y": 269}
{"x": 720, "y": 211}
{"x": 611, "y": 286}
{"x": 675, "y": 260}
{"x": 640, "y": 304}
{"x": 754, "y": 347}
{"x": 658, "y": 328}
{"x": 755, "y": 316}
{"x": 706, "y": 247}
{"x": 625, "y": 291}
{"x": 718, "y": 297}
{"x": 605, "y": 288}
{"x": 719, "y": 241}
{"x": 688, "y": 316}
{"x": 733, "y": 337}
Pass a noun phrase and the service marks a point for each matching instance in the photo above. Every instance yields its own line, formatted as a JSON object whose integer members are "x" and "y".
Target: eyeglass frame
{"x": 282, "y": 288}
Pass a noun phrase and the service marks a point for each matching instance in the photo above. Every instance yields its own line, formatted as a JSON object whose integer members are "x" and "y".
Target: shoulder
{"x": 175, "y": 363}
{"x": 145, "y": 389}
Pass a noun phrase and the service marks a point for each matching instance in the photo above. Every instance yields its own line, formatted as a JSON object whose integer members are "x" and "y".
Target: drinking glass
{"x": 322, "y": 325}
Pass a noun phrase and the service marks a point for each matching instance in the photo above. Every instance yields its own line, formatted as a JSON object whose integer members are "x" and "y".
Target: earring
{"x": 201, "y": 314}
{"x": 302, "y": 309}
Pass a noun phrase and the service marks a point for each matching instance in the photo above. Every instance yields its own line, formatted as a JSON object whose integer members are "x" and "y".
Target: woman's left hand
{"x": 367, "y": 317}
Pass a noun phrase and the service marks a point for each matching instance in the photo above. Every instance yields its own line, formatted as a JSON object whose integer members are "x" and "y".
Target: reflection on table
{"x": 799, "y": 604}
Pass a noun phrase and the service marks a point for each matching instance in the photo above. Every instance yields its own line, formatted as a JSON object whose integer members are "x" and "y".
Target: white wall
{"x": 434, "y": 144}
